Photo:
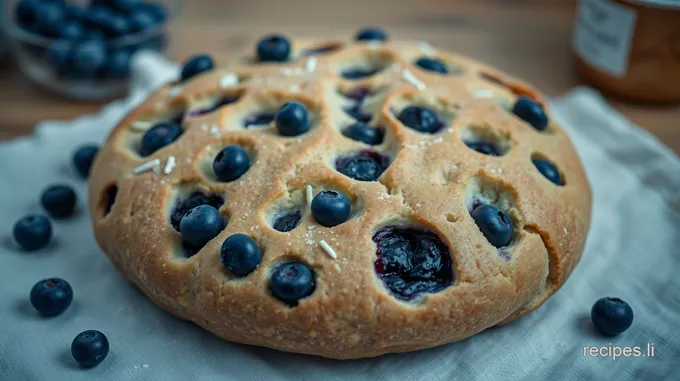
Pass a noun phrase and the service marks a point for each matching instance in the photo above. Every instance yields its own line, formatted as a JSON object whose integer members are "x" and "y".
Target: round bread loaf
{"x": 372, "y": 196}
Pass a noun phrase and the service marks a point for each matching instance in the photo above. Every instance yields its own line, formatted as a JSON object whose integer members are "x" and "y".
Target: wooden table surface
{"x": 527, "y": 38}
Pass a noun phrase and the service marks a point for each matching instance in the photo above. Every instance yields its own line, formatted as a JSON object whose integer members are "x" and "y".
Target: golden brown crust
{"x": 430, "y": 183}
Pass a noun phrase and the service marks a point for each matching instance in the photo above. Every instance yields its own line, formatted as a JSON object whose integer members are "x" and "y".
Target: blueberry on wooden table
{"x": 90, "y": 348}
{"x": 33, "y": 232}
{"x": 51, "y": 297}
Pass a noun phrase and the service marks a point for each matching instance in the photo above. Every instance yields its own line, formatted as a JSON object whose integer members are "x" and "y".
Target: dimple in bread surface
{"x": 431, "y": 182}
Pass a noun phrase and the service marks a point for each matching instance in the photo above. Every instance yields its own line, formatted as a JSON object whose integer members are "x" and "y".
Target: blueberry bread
{"x": 343, "y": 198}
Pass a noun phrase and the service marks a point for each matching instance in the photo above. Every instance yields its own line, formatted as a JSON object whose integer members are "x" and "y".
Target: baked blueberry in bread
{"x": 343, "y": 198}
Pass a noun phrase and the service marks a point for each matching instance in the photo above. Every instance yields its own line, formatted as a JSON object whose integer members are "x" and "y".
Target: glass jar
{"x": 630, "y": 48}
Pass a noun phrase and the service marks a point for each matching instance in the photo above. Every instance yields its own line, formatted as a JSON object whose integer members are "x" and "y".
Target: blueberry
{"x": 224, "y": 101}
{"x": 240, "y": 255}
{"x": 548, "y": 170}
{"x": 330, "y": 208}
{"x": 371, "y": 34}
{"x": 141, "y": 21}
{"x": 412, "y": 261}
{"x": 356, "y": 112}
{"x": 33, "y": 232}
{"x": 196, "y": 65}
{"x": 287, "y": 221}
{"x": 273, "y": 48}
{"x": 291, "y": 282}
{"x": 358, "y": 94}
{"x": 362, "y": 132}
{"x": 156, "y": 10}
{"x": 201, "y": 224}
{"x": 531, "y": 112}
{"x": 83, "y": 158}
{"x": 89, "y": 57}
{"x": 494, "y": 224}
{"x": 358, "y": 73}
{"x": 292, "y": 119}
{"x": 59, "y": 201}
{"x": 611, "y": 316}
{"x": 74, "y": 12}
{"x": 90, "y": 348}
{"x": 118, "y": 64}
{"x": 182, "y": 206}
{"x": 485, "y": 148}
{"x": 364, "y": 166}
{"x": 97, "y": 17}
{"x": 432, "y": 64}
{"x": 48, "y": 18}
{"x": 26, "y": 12}
{"x": 421, "y": 119}
{"x": 60, "y": 56}
{"x": 51, "y": 296}
{"x": 231, "y": 163}
{"x": 110, "y": 23}
{"x": 124, "y": 6}
{"x": 118, "y": 26}
{"x": 94, "y": 34}
{"x": 259, "y": 119}
{"x": 159, "y": 136}
{"x": 70, "y": 30}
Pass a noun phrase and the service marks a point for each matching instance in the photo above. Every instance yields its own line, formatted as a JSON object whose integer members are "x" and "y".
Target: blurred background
{"x": 530, "y": 39}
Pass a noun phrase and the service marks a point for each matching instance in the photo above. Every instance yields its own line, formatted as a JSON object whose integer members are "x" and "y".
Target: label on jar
{"x": 603, "y": 34}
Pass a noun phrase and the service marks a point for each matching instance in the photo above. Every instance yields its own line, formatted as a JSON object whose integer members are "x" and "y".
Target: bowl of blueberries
{"x": 82, "y": 49}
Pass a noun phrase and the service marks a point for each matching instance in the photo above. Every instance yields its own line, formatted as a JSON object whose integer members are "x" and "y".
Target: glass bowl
{"x": 91, "y": 60}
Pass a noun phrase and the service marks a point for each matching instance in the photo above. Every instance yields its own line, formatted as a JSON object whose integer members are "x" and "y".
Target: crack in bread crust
{"x": 351, "y": 314}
